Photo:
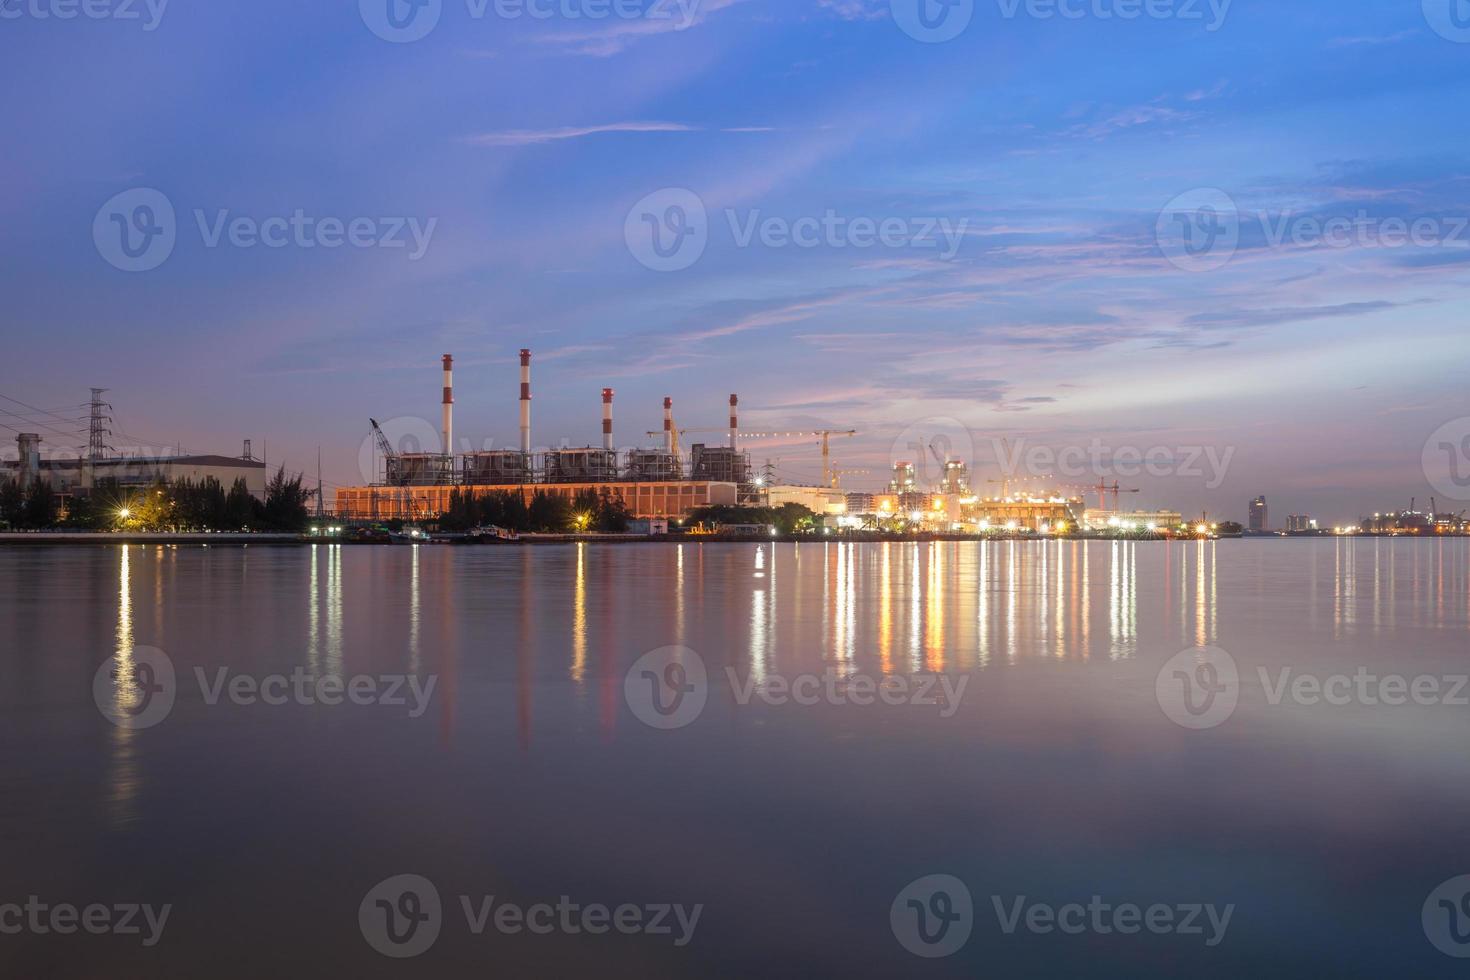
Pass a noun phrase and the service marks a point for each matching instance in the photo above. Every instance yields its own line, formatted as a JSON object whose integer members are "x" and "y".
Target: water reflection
{"x": 579, "y": 616}
{"x": 123, "y": 776}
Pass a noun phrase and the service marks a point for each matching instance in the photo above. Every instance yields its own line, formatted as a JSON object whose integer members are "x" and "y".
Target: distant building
{"x": 1300, "y": 524}
{"x": 71, "y": 476}
{"x": 1138, "y": 520}
{"x": 815, "y": 499}
{"x": 861, "y": 503}
{"x": 1260, "y": 517}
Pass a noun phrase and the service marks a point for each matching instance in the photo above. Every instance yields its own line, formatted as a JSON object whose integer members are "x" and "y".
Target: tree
{"x": 285, "y": 503}
{"x": 41, "y": 505}
{"x": 549, "y": 512}
{"x": 239, "y": 506}
{"x": 12, "y": 502}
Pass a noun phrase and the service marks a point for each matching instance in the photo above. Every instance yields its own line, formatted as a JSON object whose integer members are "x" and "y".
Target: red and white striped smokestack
{"x": 449, "y": 404}
{"x": 525, "y": 401}
{"x": 734, "y": 422}
{"x": 607, "y": 433}
{"x": 669, "y": 426}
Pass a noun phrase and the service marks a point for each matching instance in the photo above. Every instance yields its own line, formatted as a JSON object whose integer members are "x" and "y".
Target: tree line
{"x": 545, "y": 513}
{"x": 164, "y": 505}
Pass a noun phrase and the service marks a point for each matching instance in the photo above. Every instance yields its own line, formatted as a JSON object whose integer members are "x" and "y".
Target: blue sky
{"x": 1052, "y": 147}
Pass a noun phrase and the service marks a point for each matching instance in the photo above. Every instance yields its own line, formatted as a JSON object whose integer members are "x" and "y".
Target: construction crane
{"x": 384, "y": 446}
{"x": 1102, "y": 490}
{"x": 826, "y": 436}
{"x": 838, "y": 472}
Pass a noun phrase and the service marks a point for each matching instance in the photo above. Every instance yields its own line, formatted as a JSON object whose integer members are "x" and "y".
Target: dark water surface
{"x": 1058, "y": 776}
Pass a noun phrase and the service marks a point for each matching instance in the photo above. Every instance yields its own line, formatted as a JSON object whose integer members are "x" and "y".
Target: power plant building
{"x": 651, "y": 483}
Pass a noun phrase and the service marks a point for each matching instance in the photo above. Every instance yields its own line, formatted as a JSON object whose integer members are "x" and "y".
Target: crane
{"x": 384, "y": 446}
{"x": 826, "y": 436}
{"x": 1102, "y": 490}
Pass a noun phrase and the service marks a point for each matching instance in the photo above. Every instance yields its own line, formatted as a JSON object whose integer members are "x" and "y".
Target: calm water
{"x": 1058, "y": 776}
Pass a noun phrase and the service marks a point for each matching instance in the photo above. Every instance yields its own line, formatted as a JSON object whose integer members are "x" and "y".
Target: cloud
{"x": 1370, "y": 40}
{"x": 674, "y": 17}
{"x": 856, "y": 9}
{"x": 533, "y": 137}
{"x": 1267, "y": 317}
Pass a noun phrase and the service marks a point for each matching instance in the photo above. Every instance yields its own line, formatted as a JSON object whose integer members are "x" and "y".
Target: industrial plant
{"x": 670, "y": 480}
{"x": 659, "y": 482}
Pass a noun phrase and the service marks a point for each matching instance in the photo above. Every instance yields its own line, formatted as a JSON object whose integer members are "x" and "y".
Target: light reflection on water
{"x": 528, "y": 758}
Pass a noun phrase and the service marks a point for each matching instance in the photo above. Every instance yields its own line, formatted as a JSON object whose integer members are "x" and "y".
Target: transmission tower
{"x": 98, "y": 431}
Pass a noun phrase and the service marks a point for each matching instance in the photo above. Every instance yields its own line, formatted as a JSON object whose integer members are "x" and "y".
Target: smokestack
{"x": 669, "y": 426}
{"x": 734, "y": 422}
{"x": 449, "y": 404}
{"x": 607, "y": 433}
{"x": 525, "y": 401}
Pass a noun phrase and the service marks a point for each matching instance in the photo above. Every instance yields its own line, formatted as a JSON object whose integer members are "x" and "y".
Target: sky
{"x": 1230, "y": 236}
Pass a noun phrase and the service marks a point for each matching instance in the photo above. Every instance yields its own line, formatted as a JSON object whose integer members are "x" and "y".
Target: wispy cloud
{"x": 856, "y": 9}
{"x": 1370, "y": 40}
{"x": 532, "y": 137}
{"x": 680, "y": 15}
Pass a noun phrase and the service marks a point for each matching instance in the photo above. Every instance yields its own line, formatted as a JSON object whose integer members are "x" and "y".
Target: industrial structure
{"x": 652, "y": 483}
{"x": 74, "y": 476}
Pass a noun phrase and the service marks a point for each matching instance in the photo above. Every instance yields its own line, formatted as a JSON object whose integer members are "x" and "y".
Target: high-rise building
{"x": 1259, "y": 520}
{"x": 1300, "y": 524}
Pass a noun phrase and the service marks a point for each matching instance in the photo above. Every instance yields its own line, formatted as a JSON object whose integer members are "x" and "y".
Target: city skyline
{"x": 1028, "y": 290}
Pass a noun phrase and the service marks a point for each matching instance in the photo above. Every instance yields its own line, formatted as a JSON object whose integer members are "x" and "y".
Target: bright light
{"x": 760, "y": 481}
{"x": 1113, "y": 522}
{"x": 1152, "y": 526}
{"x": 1012, "y": 525}
{"x": 1203, "y": 529}
{"x": 774, "y": 532}
{"x": 124, "y": 513}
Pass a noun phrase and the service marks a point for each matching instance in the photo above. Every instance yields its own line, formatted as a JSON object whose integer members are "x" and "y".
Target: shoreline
{"x": 104, "y": 538}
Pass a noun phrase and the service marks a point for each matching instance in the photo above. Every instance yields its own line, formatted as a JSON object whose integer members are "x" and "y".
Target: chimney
{"x": 734, "y": 422}
{"x": 525, "y": 401}
{"x": 448, "y": 405}
{"x": 29, "y": 447}
{"x": 607, "y": 433}
{"x": 669, "y": 426}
